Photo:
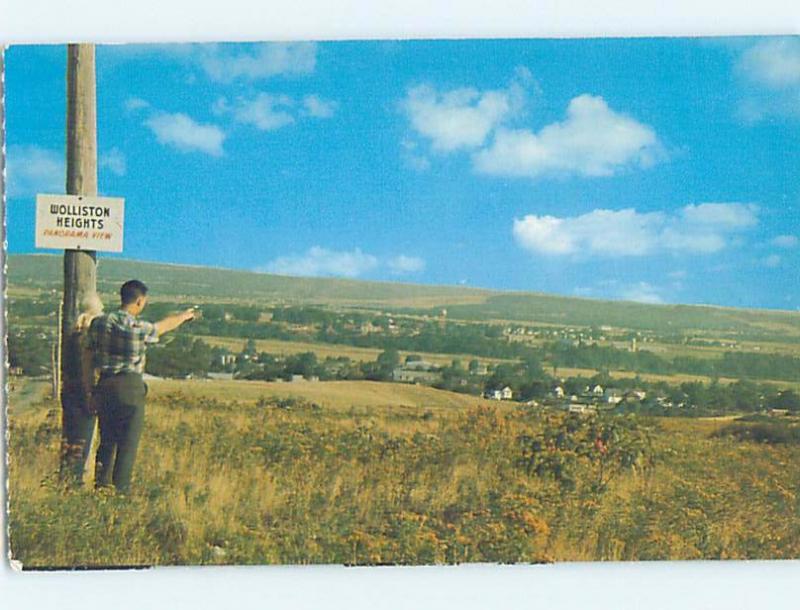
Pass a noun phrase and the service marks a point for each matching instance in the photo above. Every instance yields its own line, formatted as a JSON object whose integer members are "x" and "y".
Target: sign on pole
{"x": 76, "y": 222}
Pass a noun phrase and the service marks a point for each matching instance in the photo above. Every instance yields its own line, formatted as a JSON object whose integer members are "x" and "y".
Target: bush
{"x": 762, "y": 432}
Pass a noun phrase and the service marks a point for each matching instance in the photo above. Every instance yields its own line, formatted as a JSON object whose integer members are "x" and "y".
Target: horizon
{"x": 492, "y": 291}
{"x": 654, "y": 170}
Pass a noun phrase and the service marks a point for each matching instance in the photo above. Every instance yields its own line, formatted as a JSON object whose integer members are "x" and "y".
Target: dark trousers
{"x": 121, "y": 415}
{"x": 77, "y": 429}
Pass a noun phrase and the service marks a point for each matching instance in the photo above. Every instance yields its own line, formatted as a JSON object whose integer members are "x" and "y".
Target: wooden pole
{"x": 80, "y": 267}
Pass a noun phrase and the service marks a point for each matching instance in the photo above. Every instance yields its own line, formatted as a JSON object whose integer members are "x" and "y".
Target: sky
{"x": 652, "y": 170}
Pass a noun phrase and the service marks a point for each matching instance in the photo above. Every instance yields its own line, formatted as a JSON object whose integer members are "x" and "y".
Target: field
{"x": 673, "y": 379}
{"x": 329, "y": 350}
{"x": 376, "y": 473}
{"x": 334, "y": 395}
{"x": 373, "y": 472}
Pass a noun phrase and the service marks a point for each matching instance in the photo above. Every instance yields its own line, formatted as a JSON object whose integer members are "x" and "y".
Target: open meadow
{"x": 314, "y": 442}
{"x": 370, "y": 473}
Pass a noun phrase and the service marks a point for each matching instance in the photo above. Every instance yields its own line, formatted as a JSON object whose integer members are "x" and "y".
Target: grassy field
{"x": 366, "y": 473}
{"x": 360, "y": 472}
{"x": 674, "y": 379}
{"x": 336, "y": 395}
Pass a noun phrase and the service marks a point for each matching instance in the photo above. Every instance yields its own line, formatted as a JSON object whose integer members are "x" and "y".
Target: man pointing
{"x": 118, "y": 341}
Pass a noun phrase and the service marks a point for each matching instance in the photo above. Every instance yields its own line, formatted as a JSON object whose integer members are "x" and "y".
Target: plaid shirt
{"x": 119, "y": 340}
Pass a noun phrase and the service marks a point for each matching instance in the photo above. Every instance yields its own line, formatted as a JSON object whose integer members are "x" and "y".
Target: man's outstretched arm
{"x": 174, "y": 321}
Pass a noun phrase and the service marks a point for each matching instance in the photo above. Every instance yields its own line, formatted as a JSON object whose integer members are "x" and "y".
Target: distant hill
{"x": 198, "y": 284}
{"x": 44, "y": 271}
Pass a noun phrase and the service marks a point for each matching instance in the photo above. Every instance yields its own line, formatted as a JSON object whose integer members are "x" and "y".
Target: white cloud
{"x": 622, "y": 233}
{"x": 772, "y": 261}
{"x": 460, "y": 118}
{"x": 774, "y": 63}
{"x": 403, "y": 264}
{"x": 613, "y": 289}
{"x": 770, "y": 74}
{"x": 265, "y": 111}
{"x": 114, "y": 160}
{"x": 641, "y": 293}
{"x": 721, "y": 215}
{"x": 229, "y": 62}
{"x": 593, "y": 140}
{"x": 704, "y": 228}
{"x": 185, "y": 134}
{"x": 33, "y": 169}
{"x": 319, "y": 108}
{"x": 323, "y": 262}
{"x": 785, "y": 241}
{"x": 136, "y": 103}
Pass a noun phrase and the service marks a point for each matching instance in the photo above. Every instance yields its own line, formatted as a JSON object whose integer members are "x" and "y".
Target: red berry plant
{"x": 587, "y": 451}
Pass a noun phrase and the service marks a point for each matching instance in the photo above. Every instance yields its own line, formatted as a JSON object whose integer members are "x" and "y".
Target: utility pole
{"x": 80, "y": 266}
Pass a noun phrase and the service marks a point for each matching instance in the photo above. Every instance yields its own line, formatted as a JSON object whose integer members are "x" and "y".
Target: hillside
{"x": 203, "y": 284}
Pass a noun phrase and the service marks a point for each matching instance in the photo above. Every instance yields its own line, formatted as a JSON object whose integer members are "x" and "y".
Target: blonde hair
{"x": 91, "y": 306}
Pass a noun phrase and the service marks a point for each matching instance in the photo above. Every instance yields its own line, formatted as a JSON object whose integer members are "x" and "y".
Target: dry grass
{"x": 375, "y": 396}
{"x": 232, "y": 473}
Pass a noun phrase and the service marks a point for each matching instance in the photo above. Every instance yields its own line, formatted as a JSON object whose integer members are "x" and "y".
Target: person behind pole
{"x": 118, "y": 341}
{"x": 78, "y": 416}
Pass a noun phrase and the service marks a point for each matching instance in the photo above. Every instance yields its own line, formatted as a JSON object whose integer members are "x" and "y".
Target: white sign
{"x": 75, "y": 222}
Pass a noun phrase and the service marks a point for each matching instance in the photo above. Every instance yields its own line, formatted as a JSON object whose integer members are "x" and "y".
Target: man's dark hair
{"x": 132, "y": 290}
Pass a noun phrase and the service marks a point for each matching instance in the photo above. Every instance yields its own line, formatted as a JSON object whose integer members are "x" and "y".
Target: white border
{"x": 651, "y": 586}
{"x": 198, "y": 20}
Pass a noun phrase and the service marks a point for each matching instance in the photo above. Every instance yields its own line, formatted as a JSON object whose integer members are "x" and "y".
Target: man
{"x": 118, "y": 341}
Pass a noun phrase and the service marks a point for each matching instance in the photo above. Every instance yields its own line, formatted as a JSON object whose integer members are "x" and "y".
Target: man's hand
{"x": 174, "y": 321}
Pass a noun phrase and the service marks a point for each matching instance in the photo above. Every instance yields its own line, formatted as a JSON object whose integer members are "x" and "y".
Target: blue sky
{"x": 655, "y": 170}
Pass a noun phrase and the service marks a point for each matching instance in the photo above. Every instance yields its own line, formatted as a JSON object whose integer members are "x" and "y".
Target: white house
{"x": 226, "y": 359}
{"x": 505, "y": 394}
{"x": 406, "y": 375}
{"x": 581, "y": 408}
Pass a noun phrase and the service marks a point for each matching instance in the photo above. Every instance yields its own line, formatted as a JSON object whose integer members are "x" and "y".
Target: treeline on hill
{"x": 309, "y": 323}
{"x": 185, "y": 356}
{"x": 736, "y": 323}
{"x": 731, "y": 364}
{"x": 486, "y": 341}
